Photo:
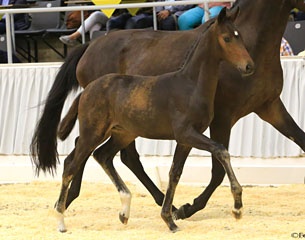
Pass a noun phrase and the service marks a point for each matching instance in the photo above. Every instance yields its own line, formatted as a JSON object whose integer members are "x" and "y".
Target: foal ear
{"x": 222, "y": 16}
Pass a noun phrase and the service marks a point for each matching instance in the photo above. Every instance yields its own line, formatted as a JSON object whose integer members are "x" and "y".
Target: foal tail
{"x": 43, "y": 148}
{"x": 69, "y": 120}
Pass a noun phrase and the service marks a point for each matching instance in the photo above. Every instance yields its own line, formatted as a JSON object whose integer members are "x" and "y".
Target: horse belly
{"x": 147, "y": 125}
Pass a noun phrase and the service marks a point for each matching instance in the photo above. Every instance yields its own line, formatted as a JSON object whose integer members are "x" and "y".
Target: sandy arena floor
{"x": 26, "y": 212}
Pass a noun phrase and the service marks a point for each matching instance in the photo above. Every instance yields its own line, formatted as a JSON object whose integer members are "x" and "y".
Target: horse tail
{"x": 43, "y": 148}
{"x": 69, "y": 120}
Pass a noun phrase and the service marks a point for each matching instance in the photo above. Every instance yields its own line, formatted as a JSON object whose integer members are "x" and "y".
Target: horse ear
{"x": 222, "y": 15}
{"x": 234, "y": 12}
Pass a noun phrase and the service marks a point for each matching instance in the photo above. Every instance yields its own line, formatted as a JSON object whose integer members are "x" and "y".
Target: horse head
{"x": 231, "y": 42}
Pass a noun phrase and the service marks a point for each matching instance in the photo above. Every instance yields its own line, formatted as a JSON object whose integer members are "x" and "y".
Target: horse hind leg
{"x": 104, "y": 156}
{"x": 130, "y": 158}
{"x": 72, "y": 165}
{"x": 76, "y": 183}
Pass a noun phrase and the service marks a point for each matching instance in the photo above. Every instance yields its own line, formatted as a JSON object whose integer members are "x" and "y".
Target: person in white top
{"x": 95, "y": 22}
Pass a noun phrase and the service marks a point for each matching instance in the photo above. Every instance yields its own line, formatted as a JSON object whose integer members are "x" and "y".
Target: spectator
{"x": 297, "y": 15}
{"x": 195, "y": 16}
{"x": 3, "y": 57}
{"x": 285, "y": 49}
{"x": 21, "y": 20}
{"x": 142, "y": 19}
{"x": 168, "y": 15}
{"x": 300, "y": 16}
{"x": 94, "y": 22}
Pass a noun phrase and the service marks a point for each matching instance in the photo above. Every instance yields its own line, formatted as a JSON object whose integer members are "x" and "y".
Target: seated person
{"x": 194, "y": 17}
{"x": 299, "y": 16}
{"x": 285, "y": 49}
{"x": 168, "y": 15}
{"x": 95, "y": 22}
{"x": 124, "y": 20}
{"x": 21, "y": 20}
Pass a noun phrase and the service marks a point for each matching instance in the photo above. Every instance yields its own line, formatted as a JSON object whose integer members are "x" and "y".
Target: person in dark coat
{"x": 21, "y": 20}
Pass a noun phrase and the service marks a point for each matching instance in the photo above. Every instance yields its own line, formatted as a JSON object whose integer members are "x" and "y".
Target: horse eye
{"x": 227, "y": 39}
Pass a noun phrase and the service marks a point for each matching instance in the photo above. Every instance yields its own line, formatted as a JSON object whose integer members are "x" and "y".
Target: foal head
{"x": 231, "y": 43}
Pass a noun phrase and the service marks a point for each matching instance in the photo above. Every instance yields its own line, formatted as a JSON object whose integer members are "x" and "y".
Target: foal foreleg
{"x": 223, "y": 156}
{"x": 202, "y": 142}
{"x": 219, "y": 132}
{"x": 181, "y": 153}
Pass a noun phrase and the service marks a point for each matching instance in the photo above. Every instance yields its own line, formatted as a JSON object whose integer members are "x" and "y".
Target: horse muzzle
{"x": 248, "y": 70}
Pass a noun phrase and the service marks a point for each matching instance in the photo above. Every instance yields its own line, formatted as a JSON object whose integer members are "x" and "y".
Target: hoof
{"x": 175, "y": 229}
{"x": 180, "y": 213}
{"x": 60, "y": 222}
{"x": 62, "y": 230}
{"x": 123, "y": 219}
{"x": 237, "y": 213}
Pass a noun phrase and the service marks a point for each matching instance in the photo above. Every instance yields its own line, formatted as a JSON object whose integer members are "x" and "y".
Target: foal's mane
{"x": 193, "y": 47}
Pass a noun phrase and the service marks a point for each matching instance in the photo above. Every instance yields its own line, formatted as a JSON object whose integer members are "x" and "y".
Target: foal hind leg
{"x": 76, "y": 183}
{"x": 71, "y": 166}
{"x": 104, "y": 156}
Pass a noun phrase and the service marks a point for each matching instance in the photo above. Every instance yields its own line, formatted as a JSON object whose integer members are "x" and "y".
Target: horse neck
{"x": 262, "y": 24}
{"x": 202, "y": 64}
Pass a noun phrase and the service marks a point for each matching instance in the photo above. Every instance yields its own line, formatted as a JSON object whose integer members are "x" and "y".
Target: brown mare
{"x": 177, "y": 105}
{"x": 261, "y": 23}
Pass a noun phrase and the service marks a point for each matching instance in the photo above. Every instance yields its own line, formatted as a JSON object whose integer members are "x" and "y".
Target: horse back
{"x": 141, "y": 52}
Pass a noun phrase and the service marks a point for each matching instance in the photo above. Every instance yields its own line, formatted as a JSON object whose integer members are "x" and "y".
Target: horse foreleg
{"x": 130, "y": 158}
{"x": 104, "y": 156}
{"x": 181, "y": 153}
{"x": 276, "y": 114}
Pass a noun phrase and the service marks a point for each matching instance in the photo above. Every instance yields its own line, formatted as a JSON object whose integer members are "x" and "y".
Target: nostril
{"x": 249, "y": 68}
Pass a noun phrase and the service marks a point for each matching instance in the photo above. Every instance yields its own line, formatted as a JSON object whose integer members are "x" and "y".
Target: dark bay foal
{"x": 177, "y": 105}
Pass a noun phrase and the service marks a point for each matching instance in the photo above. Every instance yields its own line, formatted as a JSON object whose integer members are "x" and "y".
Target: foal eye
{"x": 227, "y": 39}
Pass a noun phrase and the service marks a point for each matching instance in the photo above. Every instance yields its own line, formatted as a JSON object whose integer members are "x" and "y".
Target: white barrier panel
{"x": 24, "y": 86}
